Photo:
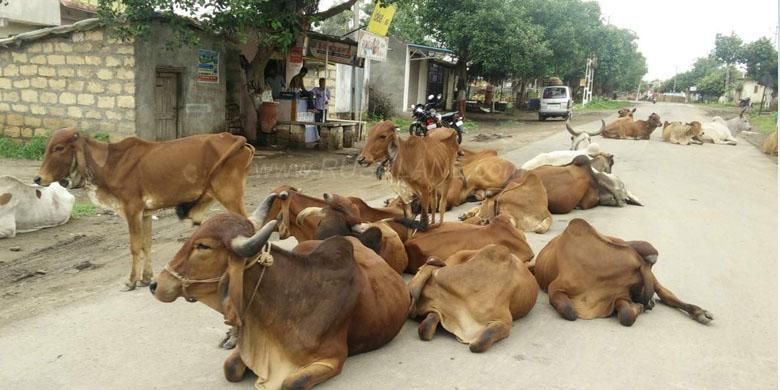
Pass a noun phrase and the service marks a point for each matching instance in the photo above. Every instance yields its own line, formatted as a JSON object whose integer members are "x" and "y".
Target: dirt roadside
{"x": 54, "y": 267}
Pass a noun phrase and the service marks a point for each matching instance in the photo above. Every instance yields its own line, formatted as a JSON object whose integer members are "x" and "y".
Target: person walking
{"x": 321, "y": 96}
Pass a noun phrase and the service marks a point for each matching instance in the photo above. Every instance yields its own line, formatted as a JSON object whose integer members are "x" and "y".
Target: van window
{"x": 554, "y": 93}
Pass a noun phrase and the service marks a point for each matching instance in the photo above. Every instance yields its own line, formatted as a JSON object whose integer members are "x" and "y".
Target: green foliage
{"x": 620, "y": 66}
{"x": 31, "y": 149}
{"x": 100, "y": 136}
{"x": 727, "y": 48}
{"x": 764, "y": 123}
{"x": 379, "y": 105}
{"x": 602, "y": 104}
{"x": 81, "y": 210}
{"x": 760, "y": 59}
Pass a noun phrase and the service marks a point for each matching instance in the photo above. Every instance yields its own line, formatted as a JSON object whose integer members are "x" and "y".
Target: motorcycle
{"x": 426, "y": 118}
{"x": 744, "y": 102}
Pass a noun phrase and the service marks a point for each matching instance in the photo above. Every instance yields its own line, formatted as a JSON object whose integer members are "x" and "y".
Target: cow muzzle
{"x": 363, "y": 161}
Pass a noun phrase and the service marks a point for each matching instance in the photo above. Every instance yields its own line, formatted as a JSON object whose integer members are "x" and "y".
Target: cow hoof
{"x": 129, "y": 286}
{"x": 144, "y": 283}
{"x": 703, "y": 317}
{"x": 230, "y": 340}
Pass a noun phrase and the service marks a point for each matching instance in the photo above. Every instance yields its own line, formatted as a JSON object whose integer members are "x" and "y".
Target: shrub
{"x": 31, "y": 149}
{"x": 379, "y": 105}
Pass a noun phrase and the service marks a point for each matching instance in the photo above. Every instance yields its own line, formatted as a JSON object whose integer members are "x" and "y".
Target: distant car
{"x": 556, "y": 101}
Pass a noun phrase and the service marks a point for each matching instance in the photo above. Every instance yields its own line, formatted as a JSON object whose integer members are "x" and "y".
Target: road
{"x": 710, "y": 210}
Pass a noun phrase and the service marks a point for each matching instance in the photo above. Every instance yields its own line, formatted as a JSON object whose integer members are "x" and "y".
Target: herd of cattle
{"x": 297, "y": 315}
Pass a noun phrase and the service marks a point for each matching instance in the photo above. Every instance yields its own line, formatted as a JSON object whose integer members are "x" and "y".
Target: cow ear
{"x": 392, "y": 148}
{"x": 233, "y": 299}
{"x": 372, "y": 239}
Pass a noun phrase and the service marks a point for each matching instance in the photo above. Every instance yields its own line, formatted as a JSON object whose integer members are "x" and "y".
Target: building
{"x": 22, "y": 16}
{"x": 748, "y": 88}
{"x": 413, "y": 72}
{"x": 80, "y": 76}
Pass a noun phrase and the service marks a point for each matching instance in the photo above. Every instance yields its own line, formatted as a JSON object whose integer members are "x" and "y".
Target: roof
{"x": 81, "y": 5}
{"x": 431, "y": 48}
{"x": 82, "y": 25}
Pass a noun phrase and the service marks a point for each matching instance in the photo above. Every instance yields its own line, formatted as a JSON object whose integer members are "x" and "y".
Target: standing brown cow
{"x": 588, "y": 275}
{"x": 134, "y": 177}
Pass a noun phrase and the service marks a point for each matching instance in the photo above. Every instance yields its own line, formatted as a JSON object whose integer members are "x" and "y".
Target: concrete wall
{"x": 26, "y": 15}
{"x": 388, "y": 77}
{"x": 202, "y": 105}
{"x": 81, "y": 79}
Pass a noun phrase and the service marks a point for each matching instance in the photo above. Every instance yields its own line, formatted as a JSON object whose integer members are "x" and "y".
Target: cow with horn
{"x": 581, "y": 139}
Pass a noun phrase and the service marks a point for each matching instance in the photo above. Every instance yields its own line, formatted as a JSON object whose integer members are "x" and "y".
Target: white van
{"x": 555, "y": 101}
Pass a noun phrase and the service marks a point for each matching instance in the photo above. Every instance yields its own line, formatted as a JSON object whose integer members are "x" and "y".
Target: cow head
{"x": 612, "y": 191}
{"x": 63, "y": 160}
{"x": 654, "y": 121}
{"x": 624, "y": 112}
{"x": 380, "y": 144}
{"x": 602, "y": 162}
{"x": 695, "y": 130}
{"x": 341, "y": 217}
{"x": 740, "y": 123}
{"x": 276, "y": 206}
{"x": 212, "y": 261}
{"x": 581, "y": 139}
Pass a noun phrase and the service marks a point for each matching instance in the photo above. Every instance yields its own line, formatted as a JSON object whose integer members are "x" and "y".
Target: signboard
{"x": 372, "y": 47}
{"x": 208, "y": 66}
{"x": 692, "y": 89}
{"x": 338, "y": 52}
{"x": 296, "y": 55}
{"x": 381, "y": 18}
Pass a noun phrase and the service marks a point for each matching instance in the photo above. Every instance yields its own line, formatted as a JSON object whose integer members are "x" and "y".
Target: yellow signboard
{"x": 381, "y": 18}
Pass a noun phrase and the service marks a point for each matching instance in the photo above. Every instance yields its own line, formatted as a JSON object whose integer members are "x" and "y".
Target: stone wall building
{"x": 80, "y": 76}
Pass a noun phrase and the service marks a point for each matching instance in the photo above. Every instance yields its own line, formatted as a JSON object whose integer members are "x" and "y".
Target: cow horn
{"x": 634, "y": 110}
{"x": 633, "y": 199}
{"x": 317, "y": 211}
{"x": 250, "y": 246}
{"x": 261, "y": 212}
{"x": 599, "y": 131}
{"x": 571, "y": 130}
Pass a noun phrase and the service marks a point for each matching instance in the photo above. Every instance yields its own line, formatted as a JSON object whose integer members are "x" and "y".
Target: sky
{"x": 673, "y": 33}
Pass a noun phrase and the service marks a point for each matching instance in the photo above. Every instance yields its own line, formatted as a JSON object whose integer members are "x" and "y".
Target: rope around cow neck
{"x": 265, "y": 259}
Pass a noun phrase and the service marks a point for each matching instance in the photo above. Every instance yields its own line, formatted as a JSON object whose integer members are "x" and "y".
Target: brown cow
{"x": 588, "y": 275}
{"x": 425, "y": 164}
{"x": 483, "y": 171}
{"x": 569, "y": 186}
{"x": 299, "y": 314}
{"x": 135, "y": 177}
{"x": 450, "y": 237}
{"x": 770, "y": 144}
{"x": 628, "y": 128}
{"x": 625, "y": 112}
{"x": 340, "y": 217}
{"x": 524, "y": 199}
{"x": 682, "y": 133}
{"x": 476, "y": 295}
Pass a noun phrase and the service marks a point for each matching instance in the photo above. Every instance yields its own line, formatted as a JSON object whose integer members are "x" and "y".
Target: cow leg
{"x": 234, "y": 367}
{"x": 627, "y": 311}
{"x": 135, "y": 228}
{"x": 427, "y": 328}
{"x": 668, "y": 298}
{"x": 492, "y": 333}
{"x": 228, "y": 188}
{"x": 313, "y": 374}
{"x": 147, "y": 251}
{"x": 561, "y": 302}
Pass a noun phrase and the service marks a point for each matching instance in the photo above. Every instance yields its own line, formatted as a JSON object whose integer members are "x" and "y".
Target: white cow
{"x": 564, "y": 157}
{"x": 737, "y": 124}
{"x": 717, "y": 132}
{"x": 581, "y": 139}
{"x": 26, "y": 208}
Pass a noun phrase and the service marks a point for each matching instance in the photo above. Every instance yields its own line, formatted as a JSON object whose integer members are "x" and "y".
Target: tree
{"x": 728, "y": 51}
{"x": 620, "y": 66}
{"x": 275, "y": 24}
{"x": 760, "y": 59}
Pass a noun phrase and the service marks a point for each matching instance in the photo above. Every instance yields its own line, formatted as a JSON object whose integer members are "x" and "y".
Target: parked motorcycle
{"x": 427, "y": 118}
{"x": 744, "y": 102}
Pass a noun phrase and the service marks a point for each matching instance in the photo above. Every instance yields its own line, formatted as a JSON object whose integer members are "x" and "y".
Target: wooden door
{"x": 166, "y": 106}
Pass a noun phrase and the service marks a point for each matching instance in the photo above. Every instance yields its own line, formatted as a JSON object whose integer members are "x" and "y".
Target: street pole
{"x": 638, "y": 87}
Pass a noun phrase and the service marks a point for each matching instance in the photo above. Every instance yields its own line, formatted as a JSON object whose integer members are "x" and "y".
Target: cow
{"x": 523, "y": 198}
{"x": 474, "y": 294}
{"x": 425, "y": 164}
{"x": 682, "y": 133}
{"x": 581, "y": 139}
{"x": 628, "y": 128}
{"x": 578, "y": 185}
{"x": 625, "y": 112}
{"x": 600, "y": 161}
{"x": 769, "y": 146}
{"x": 737, "y": 124}
{"x": 717, "y": 133}
{"x": 341, "y": 217}
{"x": 135, "y": 177}
{"x": 27, "y": 208}
{"x": 287, "y": 202}
{"x": 483, "y": 171}
{"x": 299, "y": 314}
{"x": 589, "y": 275}
{"x": 450, "y": 237}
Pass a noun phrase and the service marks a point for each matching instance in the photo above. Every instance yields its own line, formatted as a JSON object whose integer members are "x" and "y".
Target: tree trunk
{"x": 462, "y": 83}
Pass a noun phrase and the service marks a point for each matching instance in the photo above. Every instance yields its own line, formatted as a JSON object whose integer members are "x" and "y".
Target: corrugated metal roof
{"x": 18, "y": 40}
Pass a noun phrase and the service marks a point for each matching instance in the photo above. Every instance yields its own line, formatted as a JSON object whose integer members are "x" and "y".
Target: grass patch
{"x": 31, "y": 149}
{"x": 599, "y": 104}
{"x": 100, "y": 136}
{"x": 765, "y": 123}
{"x": 81, "y": 210}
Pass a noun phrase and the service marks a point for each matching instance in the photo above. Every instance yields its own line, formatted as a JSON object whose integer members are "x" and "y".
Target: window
{"x": 755, "y": 89}
{"x": 554, "y": 93}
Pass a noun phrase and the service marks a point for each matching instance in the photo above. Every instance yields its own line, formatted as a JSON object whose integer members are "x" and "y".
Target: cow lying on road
{"x": 718, "y": 132}
{"x": 628, "y": 128}
{"x": 25, "y": 208}
{"x": 580, "y": 140}
{"x": 600, "y": 161}
{"x": 624, "y": 112}
{"x": 483, "y": 171}
{"x": 475, "y": 295}
{"x": 682, "y": 133}
{"x": 588, "y": 275}
{"x": 299, "y": 314}
{"x": 134, "y": 177}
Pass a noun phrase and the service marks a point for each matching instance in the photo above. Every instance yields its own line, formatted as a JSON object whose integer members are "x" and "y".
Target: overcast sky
{"x": 673, "y": 33}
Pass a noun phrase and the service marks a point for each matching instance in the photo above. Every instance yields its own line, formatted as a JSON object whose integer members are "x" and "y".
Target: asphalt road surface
{"x": 710, "y": 210}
